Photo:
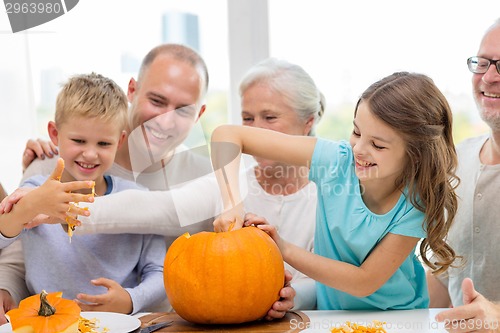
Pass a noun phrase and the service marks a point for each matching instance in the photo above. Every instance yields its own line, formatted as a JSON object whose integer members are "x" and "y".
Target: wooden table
{"x": 404, "y": 321}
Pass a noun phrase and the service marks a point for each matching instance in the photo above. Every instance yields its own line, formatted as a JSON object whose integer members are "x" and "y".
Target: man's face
{"x": 164, "y": 104}
{"x": 486, "y": 87}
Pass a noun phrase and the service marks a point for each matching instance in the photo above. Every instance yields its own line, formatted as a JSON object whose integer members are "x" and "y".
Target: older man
{"x": 475, "y": 232}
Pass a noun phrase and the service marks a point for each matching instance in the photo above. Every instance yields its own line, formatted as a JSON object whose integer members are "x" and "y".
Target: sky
{"x": 344, "y": 45}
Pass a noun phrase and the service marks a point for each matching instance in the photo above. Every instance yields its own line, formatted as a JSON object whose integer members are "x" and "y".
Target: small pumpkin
{"x": 45, "y": 313}
{"x": 223, "y": 278}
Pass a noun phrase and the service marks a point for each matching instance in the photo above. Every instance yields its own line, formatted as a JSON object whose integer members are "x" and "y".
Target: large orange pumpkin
{"x": 45, "y": 313}
{"x": 223, "y": 278}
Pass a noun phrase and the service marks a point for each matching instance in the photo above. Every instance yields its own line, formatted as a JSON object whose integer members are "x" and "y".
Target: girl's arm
{"x": 360, "y": 281}
{"x": 229, "y": 141}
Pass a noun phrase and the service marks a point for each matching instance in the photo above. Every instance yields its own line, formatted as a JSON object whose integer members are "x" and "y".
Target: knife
{"x": 155, "y": 327}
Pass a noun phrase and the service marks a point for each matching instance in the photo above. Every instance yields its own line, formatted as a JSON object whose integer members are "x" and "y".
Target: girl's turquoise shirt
{"x": 346, "y": 230}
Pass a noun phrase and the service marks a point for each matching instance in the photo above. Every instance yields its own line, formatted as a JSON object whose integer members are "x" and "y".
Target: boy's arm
{"x": 151, "y": 290}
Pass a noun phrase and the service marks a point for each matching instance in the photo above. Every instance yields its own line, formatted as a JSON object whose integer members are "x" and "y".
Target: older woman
{"x": 281, "y": 96}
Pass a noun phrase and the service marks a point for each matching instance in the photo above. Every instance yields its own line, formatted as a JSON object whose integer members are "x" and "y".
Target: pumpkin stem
{"x": 46, "y": 309}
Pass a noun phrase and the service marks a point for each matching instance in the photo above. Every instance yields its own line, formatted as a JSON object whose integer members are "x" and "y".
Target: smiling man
{"x": 474, "y": 234}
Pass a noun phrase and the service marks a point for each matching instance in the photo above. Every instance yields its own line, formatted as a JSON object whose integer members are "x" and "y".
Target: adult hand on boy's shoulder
{"x": 116, "y": 299}
{"x": 38, "y": 148}
{"x": 7, "y": 303}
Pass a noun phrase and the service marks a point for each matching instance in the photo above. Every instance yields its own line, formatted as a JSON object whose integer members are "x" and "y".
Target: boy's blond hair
{"x": 91, "y": 95}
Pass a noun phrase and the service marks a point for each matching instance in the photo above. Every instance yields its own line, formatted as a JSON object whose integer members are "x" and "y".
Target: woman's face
{"x": 262, "y": 107}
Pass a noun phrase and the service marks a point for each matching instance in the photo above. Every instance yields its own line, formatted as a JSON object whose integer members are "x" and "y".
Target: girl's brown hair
{"x": 413, "y": 106}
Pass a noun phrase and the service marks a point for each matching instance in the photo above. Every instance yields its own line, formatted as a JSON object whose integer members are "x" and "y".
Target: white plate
{"x": 115, "y": 322}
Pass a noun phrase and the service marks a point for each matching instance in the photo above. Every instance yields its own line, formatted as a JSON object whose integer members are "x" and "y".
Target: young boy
{"x": 118, "y": 273}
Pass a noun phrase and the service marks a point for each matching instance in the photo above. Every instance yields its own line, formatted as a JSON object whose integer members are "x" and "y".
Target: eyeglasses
{"x": 480, "y": 65}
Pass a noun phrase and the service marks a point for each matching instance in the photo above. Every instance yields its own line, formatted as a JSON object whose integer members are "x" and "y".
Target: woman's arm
{"x": 190, "y": 207}
{"x": 12, "y": 271}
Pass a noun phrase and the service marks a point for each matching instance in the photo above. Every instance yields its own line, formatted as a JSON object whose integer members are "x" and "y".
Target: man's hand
{"x": 285, "y": 303}
{"x": 476, "y": 315}
{"x": 116, "y": 299}
{"x": 7, "y": 303}
{"x": 38, "y": 149}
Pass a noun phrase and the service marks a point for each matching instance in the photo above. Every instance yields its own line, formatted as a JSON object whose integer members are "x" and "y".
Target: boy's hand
{"x": 116, "y": 299}
{"x": 56, "y": 199}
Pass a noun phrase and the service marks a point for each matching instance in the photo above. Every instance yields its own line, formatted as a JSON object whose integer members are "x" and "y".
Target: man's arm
{"x": 12, "y": 285}
{"x": 12, "y": 271}
{"x": 438, "y": 293}
{"x": 478, "y": 314}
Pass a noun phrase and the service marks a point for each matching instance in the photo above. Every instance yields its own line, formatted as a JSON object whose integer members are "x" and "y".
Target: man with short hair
{"x": 474, "y": 234}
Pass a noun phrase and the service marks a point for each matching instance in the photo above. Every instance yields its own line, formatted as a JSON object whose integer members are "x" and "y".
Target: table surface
{"x": 396, "y": 321}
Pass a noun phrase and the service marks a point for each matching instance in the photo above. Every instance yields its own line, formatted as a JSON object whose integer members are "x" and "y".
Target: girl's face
{"x": 379, "y": 151}
{"x": 88, "y": 147}
{"x": 264, "y": 108}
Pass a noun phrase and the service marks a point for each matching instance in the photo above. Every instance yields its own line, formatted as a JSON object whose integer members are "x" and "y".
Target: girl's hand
{"x": 252, "y": 219}
{"x": 231, "y": 219}
{"x": 116, "y": 299}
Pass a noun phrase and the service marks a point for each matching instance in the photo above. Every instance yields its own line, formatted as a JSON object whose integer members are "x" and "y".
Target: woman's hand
{"x": 38, "y": 149}
{"x": 231, "y": 219}
{"x": 285, "y": 303}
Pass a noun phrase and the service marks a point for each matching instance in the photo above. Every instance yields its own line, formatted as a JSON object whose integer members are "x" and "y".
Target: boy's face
{"x": 88, "y": 147}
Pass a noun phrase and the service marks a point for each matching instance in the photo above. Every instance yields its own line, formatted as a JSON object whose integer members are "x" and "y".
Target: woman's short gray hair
{"x": 292, "y": 82}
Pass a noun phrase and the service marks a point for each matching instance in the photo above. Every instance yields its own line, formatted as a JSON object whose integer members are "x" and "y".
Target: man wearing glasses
{"x": 474, "y": 234}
